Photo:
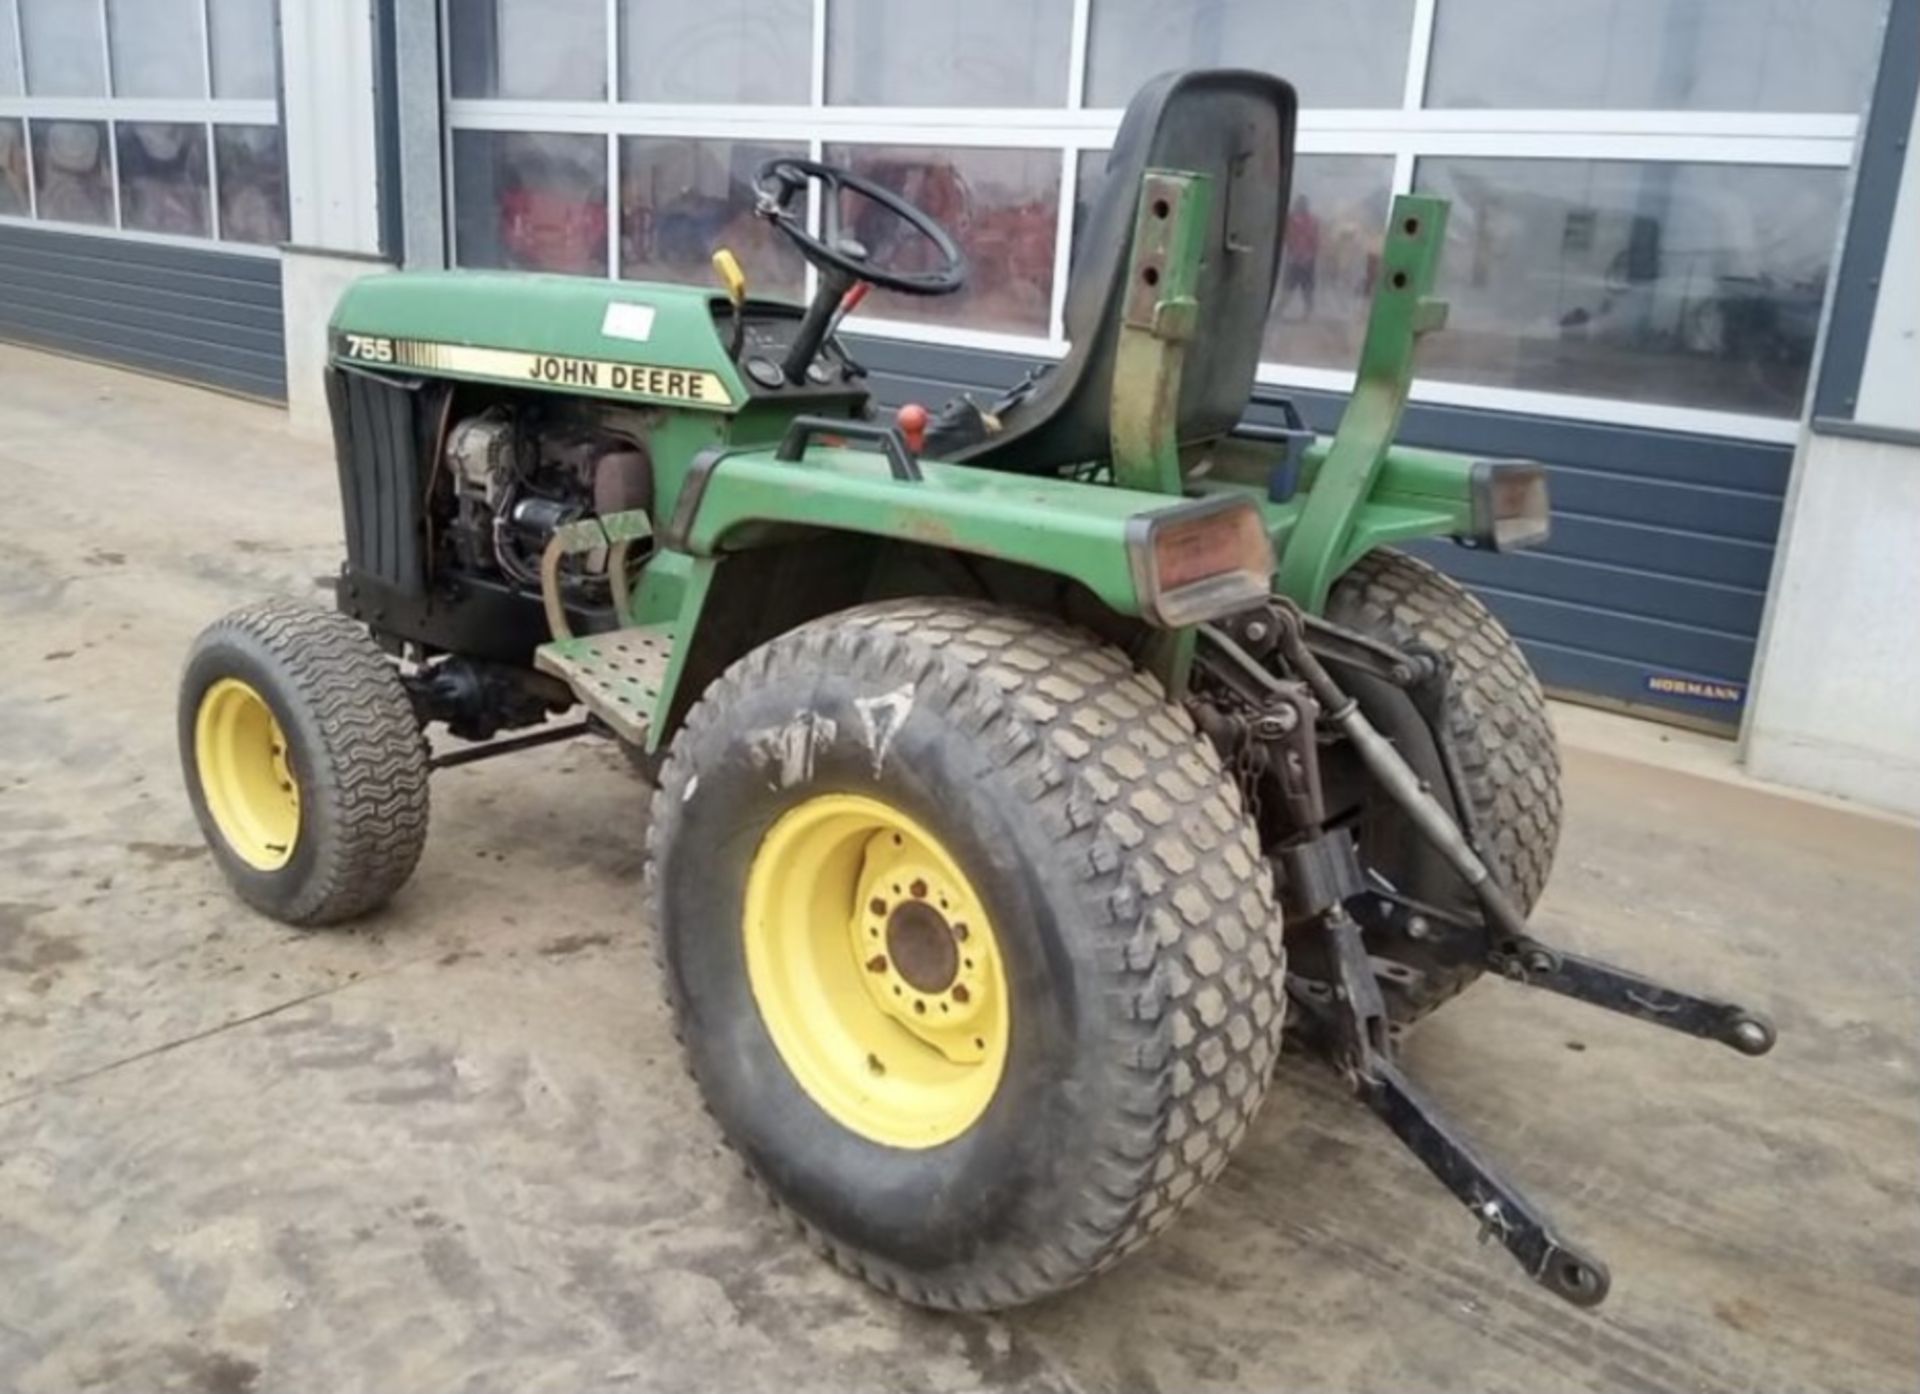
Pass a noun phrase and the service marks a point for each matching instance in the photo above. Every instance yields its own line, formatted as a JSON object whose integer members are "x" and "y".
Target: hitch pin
{"x": 1493, "y": 1220}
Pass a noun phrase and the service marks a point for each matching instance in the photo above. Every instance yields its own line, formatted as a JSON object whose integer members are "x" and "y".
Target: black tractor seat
{"x": 1236, "y": 127}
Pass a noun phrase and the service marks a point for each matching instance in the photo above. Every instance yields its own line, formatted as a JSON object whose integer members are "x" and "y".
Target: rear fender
{"x": 725, "y": 606}
{"x": 757, "y": 544}
{"x": 735, "y": 500}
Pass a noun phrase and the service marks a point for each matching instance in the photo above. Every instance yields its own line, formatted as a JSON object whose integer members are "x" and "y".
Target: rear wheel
{"x": 969, "y": 943}
{"x": 304, "y": 762}
{"x": 1502, "y": 738}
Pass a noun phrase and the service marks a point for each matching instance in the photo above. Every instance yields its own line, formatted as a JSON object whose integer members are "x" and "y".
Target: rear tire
{"x": 1502, "y": 738}
{"x": 304, "y": 762}
{"x": 1136, "y": 952}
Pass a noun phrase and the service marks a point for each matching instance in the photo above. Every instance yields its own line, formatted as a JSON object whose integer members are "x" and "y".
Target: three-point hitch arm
{"x": 1325, "y": 885}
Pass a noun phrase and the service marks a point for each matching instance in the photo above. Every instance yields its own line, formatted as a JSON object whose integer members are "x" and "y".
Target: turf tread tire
{"x": 1498, "y": 723}
{"x": 1190, "y": 940}
{"x": 364, "y": 780}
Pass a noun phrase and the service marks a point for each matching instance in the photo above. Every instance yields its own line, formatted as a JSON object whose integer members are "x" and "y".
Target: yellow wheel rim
{"x": 876, "y": 971}
{"x": 245, "y": 774}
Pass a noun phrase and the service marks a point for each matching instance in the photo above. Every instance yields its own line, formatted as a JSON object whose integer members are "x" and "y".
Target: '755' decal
{"x": 368, "y": 349}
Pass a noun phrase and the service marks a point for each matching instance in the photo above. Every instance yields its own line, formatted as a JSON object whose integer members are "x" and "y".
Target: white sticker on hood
{"x": 626, "y": 320}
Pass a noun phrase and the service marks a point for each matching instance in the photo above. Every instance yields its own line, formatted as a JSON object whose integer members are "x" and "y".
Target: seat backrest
{"x": 1236, "y": 127}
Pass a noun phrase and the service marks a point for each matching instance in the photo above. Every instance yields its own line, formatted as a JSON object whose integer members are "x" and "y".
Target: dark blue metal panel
{"x": 201, "y": 314}
{"x": 1707, "y": 604}
{"x": 1651, "y": 590}
{"x": 1750, "y": 515}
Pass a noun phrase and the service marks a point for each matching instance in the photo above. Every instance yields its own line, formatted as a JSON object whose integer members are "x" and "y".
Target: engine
{"x": 517, "y": 476}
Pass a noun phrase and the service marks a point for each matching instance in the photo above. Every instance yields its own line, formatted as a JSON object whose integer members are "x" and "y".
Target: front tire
{"x": 838, "y": 805}
{"x": 304, "y": 762}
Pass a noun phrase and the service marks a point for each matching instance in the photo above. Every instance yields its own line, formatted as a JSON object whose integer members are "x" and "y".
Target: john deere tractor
{"x": 1025, "y": 772}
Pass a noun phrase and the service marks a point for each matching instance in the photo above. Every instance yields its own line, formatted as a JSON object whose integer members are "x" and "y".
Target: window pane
{"x": 680, "y": 200}
{"x": 13, "y": 169}
{"x": 163, "y": 177}
{"x": 157, "y": 50}
{"x": 9, "y": 52}
{"x": 716, "y": 51}
{"x": 981, "y": 53}
{"x": 1350, "y": 53}
{"x": 530, "y": 202}
{"x": 243, "y": 47}
{"x": 72, "y": 175}
{"x": 999, "y": 205}
{"x": 63, "y": 49}
{"x": 1331, "y": 260}
{"x": 1697, "y": 285}
{"x": 253, "y": 184}
{"x": 1699, "y": 55}
{"x": 529, "y": 48}
{"x": 1332, "y": 254}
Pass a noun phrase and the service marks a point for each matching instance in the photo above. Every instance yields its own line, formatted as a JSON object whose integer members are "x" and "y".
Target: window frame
{"x": 206, "y": 111}
{"x": 1405, "y": 133}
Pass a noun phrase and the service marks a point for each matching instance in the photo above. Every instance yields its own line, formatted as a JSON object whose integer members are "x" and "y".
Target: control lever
{"x": 727, "y": 267}
{"x": 848, "y": 304}
{"x": 835, "y": 286}
{"x": 912, "y": 421}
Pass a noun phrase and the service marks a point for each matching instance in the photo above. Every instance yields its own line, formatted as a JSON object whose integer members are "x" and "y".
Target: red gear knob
{"x": 912, "y": 421}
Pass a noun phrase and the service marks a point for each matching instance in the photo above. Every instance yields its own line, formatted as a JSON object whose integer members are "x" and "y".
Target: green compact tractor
{"x": 1023, "y": 772}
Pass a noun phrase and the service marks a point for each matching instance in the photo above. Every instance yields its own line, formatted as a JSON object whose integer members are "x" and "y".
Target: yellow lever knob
{"x": 727, "y": 267}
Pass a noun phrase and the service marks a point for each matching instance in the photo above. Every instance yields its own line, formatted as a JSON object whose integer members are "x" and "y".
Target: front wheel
{"x": 969, "y": 943}
{"x": 304, "y": 762}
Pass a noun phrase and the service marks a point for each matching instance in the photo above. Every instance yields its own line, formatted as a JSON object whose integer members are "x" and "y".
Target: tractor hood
{"x": 628, "y": 341}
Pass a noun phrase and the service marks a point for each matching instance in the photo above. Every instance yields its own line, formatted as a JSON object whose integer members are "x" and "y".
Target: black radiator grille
{"x": 376, "y": 439}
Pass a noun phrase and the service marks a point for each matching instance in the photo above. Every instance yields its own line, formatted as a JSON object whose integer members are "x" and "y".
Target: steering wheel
{"x": 840, "y": 258}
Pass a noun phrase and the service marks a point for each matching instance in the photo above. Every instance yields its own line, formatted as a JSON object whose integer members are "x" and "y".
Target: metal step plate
{"x": 617, "y": 674}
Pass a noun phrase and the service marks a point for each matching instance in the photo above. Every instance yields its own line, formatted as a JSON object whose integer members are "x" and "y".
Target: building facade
{"x": 143, "y": 185}
{"x": 1657, "y": 205}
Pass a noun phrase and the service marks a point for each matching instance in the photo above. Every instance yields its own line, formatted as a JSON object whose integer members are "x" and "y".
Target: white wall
{"x": 1836, "y": 693}
{"x": 1836, "y": 701}
{"x": 332, "y": 149}
{"x": 333, "y": 184}
{"x": 310, "y": 286}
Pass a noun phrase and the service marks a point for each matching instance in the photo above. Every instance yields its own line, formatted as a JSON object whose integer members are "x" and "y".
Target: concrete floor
{"x": 452, "y": 1148}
